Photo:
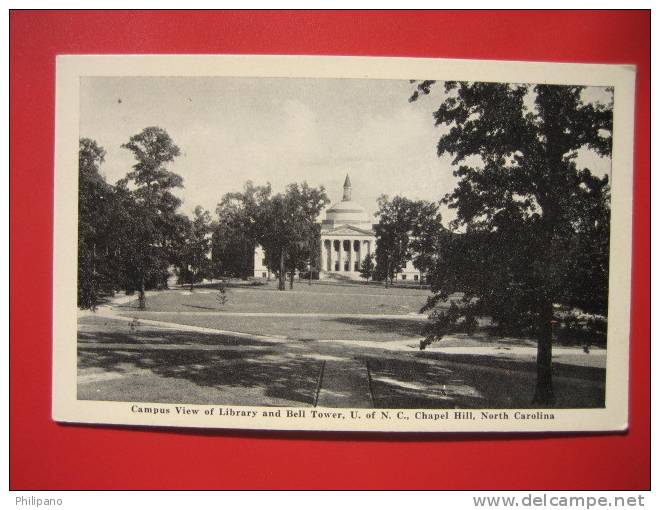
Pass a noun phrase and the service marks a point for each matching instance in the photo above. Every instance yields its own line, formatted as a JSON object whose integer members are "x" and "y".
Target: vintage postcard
{"x": 342, "y": 244}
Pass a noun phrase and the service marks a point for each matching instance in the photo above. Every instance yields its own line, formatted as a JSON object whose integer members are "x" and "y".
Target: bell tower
{"x": 347, "y": 189}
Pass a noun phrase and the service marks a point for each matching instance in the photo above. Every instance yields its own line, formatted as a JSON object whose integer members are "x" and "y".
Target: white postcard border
{"x": 66, "y": 407}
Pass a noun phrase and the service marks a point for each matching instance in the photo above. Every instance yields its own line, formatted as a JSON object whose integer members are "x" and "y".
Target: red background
{"x": 49, "y": 456}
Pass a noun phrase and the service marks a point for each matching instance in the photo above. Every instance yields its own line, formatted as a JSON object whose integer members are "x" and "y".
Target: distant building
{"x": 260, "y": 269}
{"x": 347, "y": 237}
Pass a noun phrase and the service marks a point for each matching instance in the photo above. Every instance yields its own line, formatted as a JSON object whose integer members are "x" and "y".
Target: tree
{"x": 94, "y": 197}
{"x": 367, "y": 267}
{"x": 314, "y": 251}
{"x": 531, "y": 223}
{"x": 392, "y": 236}
{"x": 237, "y": 230}
{"x": 195, "y": 246}
{"x": 304, "y": 254}
{"x": 426, "y": 235}
{"x": 288, "y": 232}
{"x": 151, "y": 220}
{"x": 406, "y": 230}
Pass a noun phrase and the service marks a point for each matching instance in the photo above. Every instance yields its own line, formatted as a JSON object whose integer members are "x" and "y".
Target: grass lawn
{"x": 303, "y": 298}
{"x": 358, "y": 329}
{"x": 445, "y": 381}
{"x": 300, "y": 328}
{"x": 123, "y": 361}
{"x": 119, "y": 362}
{"x": 202, "y": 308}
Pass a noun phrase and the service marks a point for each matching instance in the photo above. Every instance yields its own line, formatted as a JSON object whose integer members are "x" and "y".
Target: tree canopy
{"x": 289, "y": 234}
{"x": 283, "y": 224}
{"x": 533, "y": 225}
{"x": 150, "y": 220}
{"x": 194, "y": 246}
{"x": 94, "y": 219}
{"x": 130, "y": 233}
{"x": 238, "y": 230}
{"x": 406, "y": 230}
{"x": 367, "y": 267}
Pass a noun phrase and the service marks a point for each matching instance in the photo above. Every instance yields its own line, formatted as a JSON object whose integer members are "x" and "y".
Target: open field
{"x": 144, "y": 364}
{"x": 132, "y": 361}
{"x": 303, "y": 298}
{"x": 300, "y": 327}
{"x": 320, "y": 345}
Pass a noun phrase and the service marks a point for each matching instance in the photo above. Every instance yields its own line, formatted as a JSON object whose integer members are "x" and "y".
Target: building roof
{"x": 347, "y": 230}
{"x": 346, "y": 212}
{"x": 346, "y": 206}
{"x": 347, "y": 182}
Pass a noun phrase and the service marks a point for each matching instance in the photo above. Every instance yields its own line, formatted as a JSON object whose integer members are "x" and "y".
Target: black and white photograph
{"x": 364, "y": 248}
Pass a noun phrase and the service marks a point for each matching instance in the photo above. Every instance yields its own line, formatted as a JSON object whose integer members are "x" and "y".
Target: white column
{"x": 353, "y": 254}
{"x": 332, "y": 254}
{"x": 322, "y": 256}
{"x": 342, "y": 258}
{"x": 352, "y": 257}
{"x": 346, "y": 255}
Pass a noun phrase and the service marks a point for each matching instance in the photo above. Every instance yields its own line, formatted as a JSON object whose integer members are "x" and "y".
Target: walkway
{"x": 344, "y": 383}
{"x": 145, "y": 359}
{"x": 311, "y": 315}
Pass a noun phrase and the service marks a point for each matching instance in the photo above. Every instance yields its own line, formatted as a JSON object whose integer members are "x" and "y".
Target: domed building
{"x": 347, "y": 237}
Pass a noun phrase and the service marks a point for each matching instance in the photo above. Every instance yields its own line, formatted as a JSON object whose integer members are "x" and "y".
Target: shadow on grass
{"x": 503, "y": 342}
{"x": 202, "y": 307}
{"x": 235, "y": 284}
{"x": 290, "y": 379}
{"x": 100, "y": 330}
{"x": 316, "y": 284}
{"x": 275, "y": 374}
{"x": 130, "y": 305}
{"x": 153, "y": 337}
{"x": 403, "y": 327}
{"x": 509, "y": 364}
{"x": 477, "y": 382}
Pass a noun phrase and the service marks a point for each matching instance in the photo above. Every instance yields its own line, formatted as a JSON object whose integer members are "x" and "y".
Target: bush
{"x": 575, "y": 326}
{"x": 221, "y": 295}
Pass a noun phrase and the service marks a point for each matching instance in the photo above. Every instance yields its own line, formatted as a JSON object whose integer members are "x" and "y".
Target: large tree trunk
{"x": 192, "y": 280}
{"x": 281, "y": 285}
{"x": 544, "y": 395}
{"x": 291, "y": 275}
{"x": 141, "y": 298}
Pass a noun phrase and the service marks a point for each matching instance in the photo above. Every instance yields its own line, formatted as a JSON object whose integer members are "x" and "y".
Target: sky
{"x": 277, "y": 130}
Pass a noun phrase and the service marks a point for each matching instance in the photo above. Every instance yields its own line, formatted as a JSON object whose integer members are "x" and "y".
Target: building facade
{"x": 347, "y": 237}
